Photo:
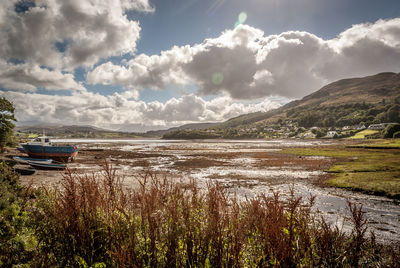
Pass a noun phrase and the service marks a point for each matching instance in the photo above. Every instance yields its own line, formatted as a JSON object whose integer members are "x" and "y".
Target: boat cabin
{"x": 40, "y": 141}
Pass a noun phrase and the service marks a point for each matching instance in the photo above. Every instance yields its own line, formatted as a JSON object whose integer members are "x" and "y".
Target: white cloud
{"x": 29, "y": 77}
{"x": 119, "y": 110}
{"x": 156, "y": 71}
{"x": 250, "y": 65}
{"x": 88, "y": 29}
{"x": 62, "y": 35}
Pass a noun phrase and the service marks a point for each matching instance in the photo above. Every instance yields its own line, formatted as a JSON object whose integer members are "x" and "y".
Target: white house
{"x": 331, "y": 134}
{"x": 380, "y": 126}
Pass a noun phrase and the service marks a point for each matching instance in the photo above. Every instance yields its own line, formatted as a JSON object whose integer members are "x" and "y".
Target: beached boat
{"x": 25, "y": 160}
{"x": 46, "y": 165}
{"x": 24, "y": 170}
{"x": 39, "y": 163}
{"x": 42, "y": 147}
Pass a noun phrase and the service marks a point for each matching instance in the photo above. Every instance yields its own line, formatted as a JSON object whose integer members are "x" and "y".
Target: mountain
{"x": 370, "y": 89}
{"x": 367, "y": 100}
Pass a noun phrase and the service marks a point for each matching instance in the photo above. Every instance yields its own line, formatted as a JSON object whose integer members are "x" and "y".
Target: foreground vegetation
{"x": 374, "y": 171}
{"x": 7, "y": 121}
{"x": 92, "y": 221}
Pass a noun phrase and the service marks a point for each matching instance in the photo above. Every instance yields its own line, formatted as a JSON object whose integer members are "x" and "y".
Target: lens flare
{"x": 242, "y": 17}
{"x": 217, "y": 78}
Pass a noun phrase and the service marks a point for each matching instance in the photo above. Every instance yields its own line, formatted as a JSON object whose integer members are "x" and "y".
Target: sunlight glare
{"x": 242, "y": 17}
{"x": 217, "y": 78}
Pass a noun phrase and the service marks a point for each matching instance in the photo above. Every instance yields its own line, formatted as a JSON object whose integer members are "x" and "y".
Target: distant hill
{"x": 55, "y": 129}
{"x": 194, "y": 126}
{"x": 74, "y": 131}
{"x": 367, "y": 100}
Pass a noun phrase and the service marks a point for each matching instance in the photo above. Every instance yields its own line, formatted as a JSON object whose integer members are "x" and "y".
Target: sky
{"x": 138, "y": 65}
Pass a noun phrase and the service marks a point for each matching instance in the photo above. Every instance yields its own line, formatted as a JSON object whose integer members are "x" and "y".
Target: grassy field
{"x": 373, "y": 171}
{"x": 380, "y": 143}
{"x": 363, "y": 134}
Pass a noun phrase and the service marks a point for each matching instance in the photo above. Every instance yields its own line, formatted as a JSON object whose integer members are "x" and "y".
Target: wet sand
{"x": 247, "y": 168}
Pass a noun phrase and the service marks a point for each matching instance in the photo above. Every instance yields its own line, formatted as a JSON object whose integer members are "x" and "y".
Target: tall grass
{"x": 92, "y": 220}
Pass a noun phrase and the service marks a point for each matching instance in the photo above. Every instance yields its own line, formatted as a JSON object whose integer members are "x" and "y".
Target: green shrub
{"x": 390, "y": 130}
{"x": 396, "y": 135}
{"x": 16, "y": 240}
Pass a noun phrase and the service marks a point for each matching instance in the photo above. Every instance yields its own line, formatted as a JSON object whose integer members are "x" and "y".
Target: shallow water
{"x": 242, "y": 166}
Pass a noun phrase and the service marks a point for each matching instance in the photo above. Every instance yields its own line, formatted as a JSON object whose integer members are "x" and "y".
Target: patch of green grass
{"x": 327, "y": 152}
{"x": 374, "y": 171}
{"x": 383, "y": 143}
{"x": 33, "y": 136}
{"x": 377, "y": 183}
{"x": 364, "y": 133}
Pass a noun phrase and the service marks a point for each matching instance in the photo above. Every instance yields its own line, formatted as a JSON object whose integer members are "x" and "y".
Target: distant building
{"x": 360, "y": 127}
{"x": 380, "y": 126}
{"x": 331, "y": 134}
{"x": 357, "y": 127}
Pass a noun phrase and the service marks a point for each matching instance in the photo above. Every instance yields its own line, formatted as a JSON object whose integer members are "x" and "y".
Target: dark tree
{"x": 391, "y": 130}
{"x": 393, "y": 114}
{"x": 6, "y": 121}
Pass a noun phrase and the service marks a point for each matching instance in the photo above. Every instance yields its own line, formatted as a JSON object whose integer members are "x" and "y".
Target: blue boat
{"x": 24, "y": 171}
{"x": 25, "y": 160}
{"x": 46, "y": 165}
{"x": 41, "y": 147}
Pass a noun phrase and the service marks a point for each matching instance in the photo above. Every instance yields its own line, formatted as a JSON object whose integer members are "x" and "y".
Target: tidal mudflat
{"x": 246, "y": 168}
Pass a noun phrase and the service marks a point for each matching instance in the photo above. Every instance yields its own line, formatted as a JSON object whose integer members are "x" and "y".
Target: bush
{"x": 390, "y": 130}
{"x": 321, "y": 133}
{"x": 396, "y": 135}
{"x": 16, "y": 240}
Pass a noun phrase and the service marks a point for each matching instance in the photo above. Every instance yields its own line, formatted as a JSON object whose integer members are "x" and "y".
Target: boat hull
{"x": 62, "y": 153}
{"x": 24, "y": 160}
{"x": 24, "y": 171}
{"x": 20, "y": 149}
{"x": 46, "y": 165}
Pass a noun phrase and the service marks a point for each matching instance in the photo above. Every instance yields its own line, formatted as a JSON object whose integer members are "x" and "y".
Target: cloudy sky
{"x": 137, "y": 65}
